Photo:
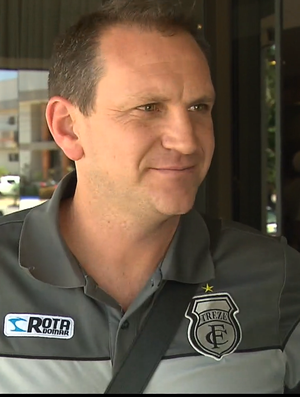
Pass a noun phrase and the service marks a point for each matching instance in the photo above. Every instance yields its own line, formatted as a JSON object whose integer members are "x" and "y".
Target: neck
{"x": 111, "y": 245}
{"x": 119, "y": 224}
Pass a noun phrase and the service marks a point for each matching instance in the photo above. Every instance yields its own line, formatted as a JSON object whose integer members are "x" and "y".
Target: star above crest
{"x": 208, "y": 288}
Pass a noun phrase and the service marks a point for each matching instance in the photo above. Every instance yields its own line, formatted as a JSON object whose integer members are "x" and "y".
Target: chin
{"x": 175, "y": 207}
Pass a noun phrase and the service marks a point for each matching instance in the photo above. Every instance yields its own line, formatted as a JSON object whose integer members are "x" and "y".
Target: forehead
{"x": 148, "y": 60}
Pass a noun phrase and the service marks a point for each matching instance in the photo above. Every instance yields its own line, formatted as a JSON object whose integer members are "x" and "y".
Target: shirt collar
{"x": 42, "y": 250}
{"x": 44, "y": 254}
{"x": 188, "y": 259}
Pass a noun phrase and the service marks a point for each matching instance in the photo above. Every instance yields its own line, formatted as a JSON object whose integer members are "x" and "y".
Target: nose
{"x": 180, "y": 134}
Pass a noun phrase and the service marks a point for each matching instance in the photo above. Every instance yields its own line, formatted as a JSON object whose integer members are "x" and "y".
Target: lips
{"x": 172, "y": 168}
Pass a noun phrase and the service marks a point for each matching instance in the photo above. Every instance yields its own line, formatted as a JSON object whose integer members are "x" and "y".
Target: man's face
{"x": 149, "y": 142}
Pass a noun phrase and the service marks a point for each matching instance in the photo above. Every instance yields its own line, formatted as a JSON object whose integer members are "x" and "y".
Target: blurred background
{"x": 255, "y": 175}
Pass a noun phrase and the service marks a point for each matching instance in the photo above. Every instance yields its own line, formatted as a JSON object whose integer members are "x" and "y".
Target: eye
{"x": 201, "y": 107}
{"x": 150, "y": 107}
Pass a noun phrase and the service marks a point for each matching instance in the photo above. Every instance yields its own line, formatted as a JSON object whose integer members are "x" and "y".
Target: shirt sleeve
{"x": 290, "y": 319}
{"x": 292, "y": 352}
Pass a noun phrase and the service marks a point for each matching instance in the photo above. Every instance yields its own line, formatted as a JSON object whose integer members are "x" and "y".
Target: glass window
{"x": 31, "y": 163}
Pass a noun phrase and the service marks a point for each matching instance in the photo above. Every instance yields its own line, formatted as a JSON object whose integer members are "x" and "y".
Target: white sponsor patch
{"x": 38, "y": 325}
{"x": 214, "y": 330}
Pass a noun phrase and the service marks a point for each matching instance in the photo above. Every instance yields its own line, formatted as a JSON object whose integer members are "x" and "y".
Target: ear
{"x": 61, "y": 116}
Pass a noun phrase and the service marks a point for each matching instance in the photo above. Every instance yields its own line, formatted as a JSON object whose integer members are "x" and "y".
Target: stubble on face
{"x": 147, "y": 149}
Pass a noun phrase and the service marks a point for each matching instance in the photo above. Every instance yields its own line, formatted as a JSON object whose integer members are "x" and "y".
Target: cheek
{"x": 207, "y": 140}
{"x": 118, "y": 144}
{"x": 212, "y": 141}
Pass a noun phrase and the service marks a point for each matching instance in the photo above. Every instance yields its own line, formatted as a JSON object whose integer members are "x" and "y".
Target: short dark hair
{"x": 75, "y": 65}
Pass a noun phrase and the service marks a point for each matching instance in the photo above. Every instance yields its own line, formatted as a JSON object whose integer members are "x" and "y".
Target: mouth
{"x": 175, "y": 170}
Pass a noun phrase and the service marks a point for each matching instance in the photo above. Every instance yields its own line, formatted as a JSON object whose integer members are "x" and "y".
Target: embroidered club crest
{"x": 214, "y": 330}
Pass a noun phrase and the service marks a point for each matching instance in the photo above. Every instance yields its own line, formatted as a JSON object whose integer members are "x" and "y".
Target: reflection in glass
{"x": 268, "y": 126}
{"x": 270, "y": 96}
{"x": 27, "y": 149}
{"x": 9, "y": 141}
{"x": 291, "y": 122}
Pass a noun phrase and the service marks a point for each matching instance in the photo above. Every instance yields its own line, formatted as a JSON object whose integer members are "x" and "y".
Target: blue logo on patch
{"x": 38, "y": 325}
{"x": 14, "y": 322}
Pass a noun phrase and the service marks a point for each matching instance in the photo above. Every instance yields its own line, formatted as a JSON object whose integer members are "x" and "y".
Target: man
{"x": 130, "y": 103}
{"x": 291, "y": 197}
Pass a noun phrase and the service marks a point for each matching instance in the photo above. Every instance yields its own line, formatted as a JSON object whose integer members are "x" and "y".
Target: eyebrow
{"x": 205, "y": 98}
{"x": 148, "y": 98}
{"x": 158, "y": 98}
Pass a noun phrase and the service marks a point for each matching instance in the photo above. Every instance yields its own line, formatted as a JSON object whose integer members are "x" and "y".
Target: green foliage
{"x": 271, "y": 108}
{"x": 46, "y": 192}
{"x": 3, "y": 171}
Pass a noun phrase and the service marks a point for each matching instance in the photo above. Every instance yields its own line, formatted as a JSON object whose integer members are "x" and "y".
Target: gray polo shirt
{"x": 62, "y": 334}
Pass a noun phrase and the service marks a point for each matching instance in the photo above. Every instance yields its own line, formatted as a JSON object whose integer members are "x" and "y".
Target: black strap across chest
{"x": 157, "y": 331}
